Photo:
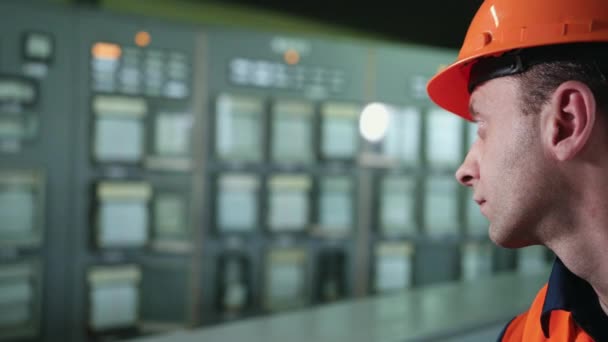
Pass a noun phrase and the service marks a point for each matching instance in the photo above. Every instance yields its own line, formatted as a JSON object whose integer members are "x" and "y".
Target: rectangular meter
{"x": 476, "y": 260}
{"x": 477, "y": 224}
{"x": 122, "y": 214}
{"x": 339, "y": 131}
{"x": 532, "y": 259}
{"x": 292, "y": 131}
{"x": 19, "y": 301}
{"x": 286, "y": 280}
{"x": 18, "y": 90}
{"x": 19, "y": 119}
{"x": 239, "y": 128}
{"x": 441, "y": 206}
{"x": 38, "y": 47}
{"x": 119, "y": 128}
{"x": 21, "y": 207}
{"x": 393, "y": 267}
{"x": 336, "y": 205}
{"x": 113, "y": 297}
{"x": 172, "y": 134}
{"x": 397, "y": 205}
{"x": 18, "y": 125}
{"x": 171, "y": 229}
{"x": 237, "y": 203}
{"x": 289, "y": 203}
{"x": 443, "y": 139}
{"x": 402, "y": 140}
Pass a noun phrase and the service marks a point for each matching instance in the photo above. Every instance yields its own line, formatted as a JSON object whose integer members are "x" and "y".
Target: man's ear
{"x": 568, "y": 119}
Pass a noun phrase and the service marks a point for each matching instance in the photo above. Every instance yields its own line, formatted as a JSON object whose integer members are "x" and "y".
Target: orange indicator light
{"x": 106, "y": 51}
{"x": 291, "y": 57}
{"x": 142, "y": 39}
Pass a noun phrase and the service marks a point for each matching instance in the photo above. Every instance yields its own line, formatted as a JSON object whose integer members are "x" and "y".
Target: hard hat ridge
{"x": 501, "y": 26}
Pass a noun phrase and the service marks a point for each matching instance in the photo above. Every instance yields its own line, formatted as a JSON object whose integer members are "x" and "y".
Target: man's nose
{"x": 468, "y": 172}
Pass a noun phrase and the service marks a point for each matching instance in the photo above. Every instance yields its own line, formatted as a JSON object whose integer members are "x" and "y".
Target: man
{"x": 533, "y": 75}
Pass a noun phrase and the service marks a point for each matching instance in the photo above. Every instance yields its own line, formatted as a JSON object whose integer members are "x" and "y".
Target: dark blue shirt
{"x": 568, "y": 292}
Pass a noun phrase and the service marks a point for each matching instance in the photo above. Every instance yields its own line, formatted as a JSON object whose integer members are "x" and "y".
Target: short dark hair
{"x": 542, "y": 69}
{"x": 540, "y": 80}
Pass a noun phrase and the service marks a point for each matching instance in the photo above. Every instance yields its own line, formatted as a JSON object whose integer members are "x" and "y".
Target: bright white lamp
{"x": 374, "y": 121}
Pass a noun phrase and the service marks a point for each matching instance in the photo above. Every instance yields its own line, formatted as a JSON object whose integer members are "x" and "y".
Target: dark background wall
{"x": 441, "y": 23}
{"x": 433, "y": 22}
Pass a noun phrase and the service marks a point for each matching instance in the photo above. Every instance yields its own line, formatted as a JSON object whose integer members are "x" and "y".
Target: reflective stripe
{"x": 504, "y": 330}
{"x": 527, "y": 326}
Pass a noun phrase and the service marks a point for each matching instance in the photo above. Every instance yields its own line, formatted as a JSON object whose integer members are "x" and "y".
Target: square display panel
{"x": 170, "y": 212}
{"x": 285, "y": 279}
{"x": 340, "y": 138}
{"x": 17, "y": 211}
{"x": 172, "y": 134}
{"x": 239, "y": 128}
{"x": 288, "y": 202}
{"x": 477, "y": 224}
{"x": 476, "y": 260}
{"x": 288, "y": 210}
{"x": 532, "y": 259}
{"x": 16, "y": 301}
{"x": 397, "y": 206}
{"x": 19, "y": 301}
{"x": 444, "y": 139}
{"x": 237, "y": 191}
{"x": 285, "y": 282}
{"x": 38, "y": 46}
{"x": 441, "y": 206}
{"x": 123, "y": 223}
{"x": 113, "y": 297}
{"x": 21, "y": 207}
{"x": 339, "y": 130}
{"x": 402, "y": 140}
{"x": 114, "y": 306}
{"x": 336, "y": 204}
{"x": 336, "y": 209}
{"x": 118, "y": 140}
{"x": 393, "y": 267}
{"x": 292, "y": 131}
{"x": 243, "y": 219}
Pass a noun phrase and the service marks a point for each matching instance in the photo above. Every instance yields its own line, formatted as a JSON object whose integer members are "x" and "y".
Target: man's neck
{"x": 583, "y": 252}
{"x": 577, "y": 229}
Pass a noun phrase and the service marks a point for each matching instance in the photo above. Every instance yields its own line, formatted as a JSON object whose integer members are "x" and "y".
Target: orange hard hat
{"x": 505, "y": 25}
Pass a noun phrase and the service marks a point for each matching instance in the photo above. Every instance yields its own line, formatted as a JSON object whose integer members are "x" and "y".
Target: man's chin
{"x": 508, "y": 239}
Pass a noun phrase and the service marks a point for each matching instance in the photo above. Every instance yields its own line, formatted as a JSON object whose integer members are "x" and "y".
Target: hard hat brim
{"x": 449, "y": 88}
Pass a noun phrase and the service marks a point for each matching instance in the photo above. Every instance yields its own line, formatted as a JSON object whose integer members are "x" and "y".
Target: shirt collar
{"x": 568, "y": 292}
